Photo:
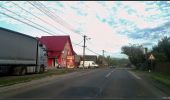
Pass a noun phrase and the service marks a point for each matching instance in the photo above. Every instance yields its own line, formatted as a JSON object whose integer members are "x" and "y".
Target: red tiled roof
{"x": 55, "y": 43}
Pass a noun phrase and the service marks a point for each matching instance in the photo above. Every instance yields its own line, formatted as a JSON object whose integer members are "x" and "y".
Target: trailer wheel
{"x": 23, "y": 71}
{"x": 42, "y": 69}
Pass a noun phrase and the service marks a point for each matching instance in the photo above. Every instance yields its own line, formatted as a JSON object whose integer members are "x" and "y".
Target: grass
{"x": 160, "y": 77}
{"x": 10, "y": 80}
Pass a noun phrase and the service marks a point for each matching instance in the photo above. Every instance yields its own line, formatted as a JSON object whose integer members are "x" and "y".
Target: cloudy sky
{"x": 109, "y": 24}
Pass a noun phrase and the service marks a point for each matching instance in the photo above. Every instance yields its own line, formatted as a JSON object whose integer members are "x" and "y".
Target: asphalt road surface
{"x": 96, "y": 83}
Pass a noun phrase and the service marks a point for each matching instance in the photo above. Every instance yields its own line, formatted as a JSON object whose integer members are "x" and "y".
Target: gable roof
{"x": 56, "y": 43}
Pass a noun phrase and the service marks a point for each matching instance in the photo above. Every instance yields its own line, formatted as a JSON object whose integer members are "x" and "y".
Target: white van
{"x": 88, "y": 64}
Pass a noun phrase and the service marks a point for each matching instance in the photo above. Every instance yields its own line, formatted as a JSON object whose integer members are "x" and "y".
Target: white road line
{"x": 165, "y": 97}
{"x": 133, "y": 74}
{"x": 108, "y": 75}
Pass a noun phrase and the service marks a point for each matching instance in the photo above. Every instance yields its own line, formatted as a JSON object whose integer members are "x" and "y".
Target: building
{"x": 60, "y": 51}
{"x": 90, "y": 58}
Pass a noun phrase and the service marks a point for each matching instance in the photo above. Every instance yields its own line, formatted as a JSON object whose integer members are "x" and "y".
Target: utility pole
{"x": 103, "y": 57}
{"x": 103, "y": 52}
{"x": 84, "y": 46}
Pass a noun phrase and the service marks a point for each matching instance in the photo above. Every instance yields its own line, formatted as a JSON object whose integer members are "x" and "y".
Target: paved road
{"x": 97, "y": 83}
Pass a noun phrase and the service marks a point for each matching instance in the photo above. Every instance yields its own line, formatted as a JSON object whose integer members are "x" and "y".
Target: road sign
{"x": 151, "y": 57}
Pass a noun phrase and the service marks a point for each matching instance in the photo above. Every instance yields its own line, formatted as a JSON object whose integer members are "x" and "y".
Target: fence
{"x": 163, "y": 67}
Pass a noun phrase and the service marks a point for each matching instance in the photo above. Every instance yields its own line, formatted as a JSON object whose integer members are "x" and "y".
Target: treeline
{"x": 139, "y": 55}
{"x": 110, "y": 61}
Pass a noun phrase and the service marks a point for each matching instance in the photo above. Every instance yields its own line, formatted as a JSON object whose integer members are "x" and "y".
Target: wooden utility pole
{"x": 103, "y": 52}
{"x": 103, "y": 57}
{"x": 84, "y": 46}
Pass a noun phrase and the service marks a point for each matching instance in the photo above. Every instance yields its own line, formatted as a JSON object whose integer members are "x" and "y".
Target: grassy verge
{"x": 160, "y": 77}
{"x": 10, "y": 80}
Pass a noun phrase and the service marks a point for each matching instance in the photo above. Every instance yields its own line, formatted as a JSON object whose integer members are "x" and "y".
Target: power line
{"x": 79, "y": 42}
{"x": 27, "y": 20}
{"x": 30, "y": 25}
{"x": 24, "y": 22}
{"x": 43, "y": 12}
{"x": 52, "y": 13}
{"x": 6, "y": 2}
{"x": 58, "y": 17}
{"x": 38, "y": 17}
{"x": 41, "y": 9}
{"x": 93, "y": 51}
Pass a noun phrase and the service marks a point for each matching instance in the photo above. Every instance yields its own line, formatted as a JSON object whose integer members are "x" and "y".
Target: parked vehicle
{"x": 112, "y": 66}
{"x": 21, "y": 54}
{"x": 88, "y": 64}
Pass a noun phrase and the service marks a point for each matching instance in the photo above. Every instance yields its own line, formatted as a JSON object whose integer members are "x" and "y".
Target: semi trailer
{"x": 21, "y": 54}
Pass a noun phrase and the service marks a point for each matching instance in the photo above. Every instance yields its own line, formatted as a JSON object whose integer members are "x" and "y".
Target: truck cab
{"x": 42, "y": 55}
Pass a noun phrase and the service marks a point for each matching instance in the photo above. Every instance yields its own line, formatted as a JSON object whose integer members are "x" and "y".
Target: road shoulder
{"x": 8, "y": 91}
{"x": 162, "y": 87}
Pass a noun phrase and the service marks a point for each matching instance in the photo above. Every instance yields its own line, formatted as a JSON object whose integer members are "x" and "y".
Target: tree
{"x": 162, "y": 49}
{"x": 135, "y": 54}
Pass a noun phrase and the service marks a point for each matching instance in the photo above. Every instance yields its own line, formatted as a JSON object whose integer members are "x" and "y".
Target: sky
{"x": 108, "y": 25}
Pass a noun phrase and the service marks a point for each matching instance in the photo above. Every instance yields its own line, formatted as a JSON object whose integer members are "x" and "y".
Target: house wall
{"x": 50, "y": 62}
{"x": 67, "y": 58}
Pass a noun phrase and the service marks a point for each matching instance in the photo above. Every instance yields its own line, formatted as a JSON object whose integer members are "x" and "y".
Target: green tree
{"x": 162, "y": 49}
{"x": 135, "y": 54}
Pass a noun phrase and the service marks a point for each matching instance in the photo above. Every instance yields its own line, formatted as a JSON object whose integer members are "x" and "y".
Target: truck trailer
{"x": 21, "y": 54}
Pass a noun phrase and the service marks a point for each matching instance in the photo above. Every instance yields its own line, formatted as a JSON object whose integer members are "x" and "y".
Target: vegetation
{"x": 120, "y": 62}
{"x": 135, "y": 54}
{"x": 10, "y": 80}
{"x": 162, "y": 50}
{"x": 138, "y": 55}
{"x": 159, "y": 77}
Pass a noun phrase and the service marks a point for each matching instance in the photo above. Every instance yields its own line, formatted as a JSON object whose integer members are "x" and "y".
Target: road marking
{"x": 165, "y": 97}
{"x": 109, "y": 74}
{"x": 134, "y": 75}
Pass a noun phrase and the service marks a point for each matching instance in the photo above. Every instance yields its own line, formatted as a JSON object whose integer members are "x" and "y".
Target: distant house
{"x": 90, "y": 58}
{"x": 60, "y": 51}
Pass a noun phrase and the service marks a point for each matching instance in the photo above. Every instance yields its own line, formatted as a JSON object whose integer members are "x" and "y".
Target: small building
{"x": 90, "y": 58}
{"x": 60, "y": 51}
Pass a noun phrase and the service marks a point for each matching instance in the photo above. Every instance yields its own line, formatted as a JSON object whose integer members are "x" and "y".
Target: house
{"x": 90, "y": 58}
{"x": 60, "y": 51}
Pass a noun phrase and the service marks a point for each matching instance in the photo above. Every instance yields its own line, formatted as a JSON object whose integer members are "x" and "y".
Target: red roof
{"x": 55, "y": 43}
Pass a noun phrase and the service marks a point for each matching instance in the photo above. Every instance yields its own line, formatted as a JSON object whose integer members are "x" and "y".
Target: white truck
{"x": 21, "y": 54}
{"x": 88, "y": 64}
